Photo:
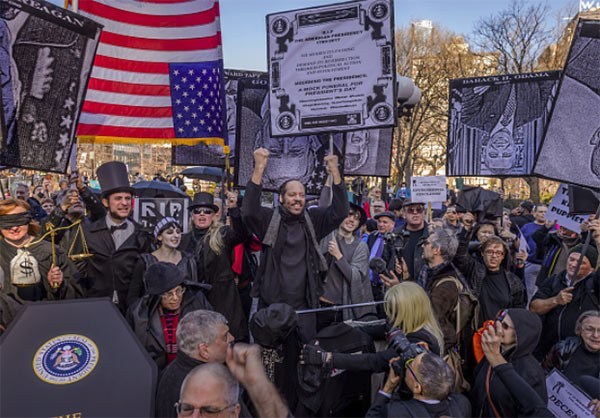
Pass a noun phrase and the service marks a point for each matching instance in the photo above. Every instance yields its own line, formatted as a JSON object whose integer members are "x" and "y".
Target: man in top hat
{"x": 115, "y": 241}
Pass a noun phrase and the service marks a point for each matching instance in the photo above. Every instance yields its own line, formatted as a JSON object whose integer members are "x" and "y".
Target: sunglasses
{"x": 202, "y": 211}
{"x": 414, "y": 210}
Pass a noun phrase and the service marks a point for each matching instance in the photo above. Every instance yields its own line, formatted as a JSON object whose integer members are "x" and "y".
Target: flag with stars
{"x": 157, "y": 75}
{"x": 197, "y": 101}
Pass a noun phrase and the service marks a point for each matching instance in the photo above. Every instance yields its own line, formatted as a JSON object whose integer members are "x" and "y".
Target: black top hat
{"x": 204, "y": 199}
{"x": 361, "y": 211}
{"x": 113, "y": 178}
{"x": 162, "y": 277}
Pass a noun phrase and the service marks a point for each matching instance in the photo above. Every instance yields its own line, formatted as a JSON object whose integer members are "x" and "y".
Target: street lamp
{"x": 408, "y": 95}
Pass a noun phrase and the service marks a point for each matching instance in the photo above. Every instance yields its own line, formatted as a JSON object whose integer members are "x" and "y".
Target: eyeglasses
{"x": 408, "y": 363}
{"x": 354, "y": 215}
{"x": 187, "y": 410}
{"x": 175, "y": 293}
{"x": 416, "y": 210}
{"x": 498, "y": 253}
{"x": 591, "y": 330}
{"x": 202, "y": 211}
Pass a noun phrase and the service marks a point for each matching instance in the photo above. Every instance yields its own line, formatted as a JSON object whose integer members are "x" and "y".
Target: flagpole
{"x": 339, "y": 307}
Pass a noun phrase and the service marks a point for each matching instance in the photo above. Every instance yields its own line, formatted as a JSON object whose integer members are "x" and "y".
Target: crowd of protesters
{"x": 450, "y": 315}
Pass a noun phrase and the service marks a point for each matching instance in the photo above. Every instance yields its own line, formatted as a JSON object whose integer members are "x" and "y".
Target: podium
{"x": 74, "y": 358}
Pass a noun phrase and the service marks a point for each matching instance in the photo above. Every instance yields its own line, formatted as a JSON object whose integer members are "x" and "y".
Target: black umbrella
{"x": 480, "y": 201}
{"x": 157, "y": 189}
{"x": 205, "y": 173}
{"x": 82, "y": 358}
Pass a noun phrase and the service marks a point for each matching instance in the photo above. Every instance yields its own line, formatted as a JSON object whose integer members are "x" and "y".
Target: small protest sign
{"x": 148, "y": 211}
{"x": 564, "y": 398}
{"x": 558, "y": 211}
{"x": 428, "y": 189}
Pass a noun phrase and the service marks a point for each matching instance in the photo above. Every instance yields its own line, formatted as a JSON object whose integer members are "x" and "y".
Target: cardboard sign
{"x": 331, "y": 68}
{"x": 564, "y": 398}
{"x": 559, "y": 210}
{"x": 428, "y": 189}
{"x": 149, "y": 211}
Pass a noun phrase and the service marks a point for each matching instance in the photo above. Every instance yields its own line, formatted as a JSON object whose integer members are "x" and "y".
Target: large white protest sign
{"x": 332, "y": 68}
{"x": 149, "y": 211}
{"x": 558, "y": 211}
{"x": 428, "y": 189}
{"x": 566, "y": 399}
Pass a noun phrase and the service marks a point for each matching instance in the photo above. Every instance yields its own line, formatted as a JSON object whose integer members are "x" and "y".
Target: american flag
{"x": 157, "y": 65}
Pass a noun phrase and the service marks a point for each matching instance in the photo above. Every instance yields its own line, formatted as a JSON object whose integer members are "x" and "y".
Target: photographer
{"x": 430, "y": 381}
{"x": 409, "y": 311}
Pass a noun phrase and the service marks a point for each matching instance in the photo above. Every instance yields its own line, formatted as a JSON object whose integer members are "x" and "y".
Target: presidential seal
{"x": 65, "y": 359}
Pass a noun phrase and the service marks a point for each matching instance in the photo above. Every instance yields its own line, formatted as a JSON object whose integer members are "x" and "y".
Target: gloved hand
{"x": 313, "y": 354}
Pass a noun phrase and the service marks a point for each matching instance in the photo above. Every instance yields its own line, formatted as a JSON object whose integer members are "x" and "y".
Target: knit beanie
{"x": 591, "y": 254}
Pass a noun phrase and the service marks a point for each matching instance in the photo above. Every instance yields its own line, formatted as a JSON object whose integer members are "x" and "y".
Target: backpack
{"x": 467, "y": 307}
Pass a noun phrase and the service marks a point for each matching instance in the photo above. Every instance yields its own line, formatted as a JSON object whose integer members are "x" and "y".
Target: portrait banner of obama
{"x": 496, "y": 123}
{"x": 570, "y": 151}
{"x": 46, "y": 56}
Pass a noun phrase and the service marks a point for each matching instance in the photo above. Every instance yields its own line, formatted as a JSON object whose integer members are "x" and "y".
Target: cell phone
{"x": 73, "y": 177}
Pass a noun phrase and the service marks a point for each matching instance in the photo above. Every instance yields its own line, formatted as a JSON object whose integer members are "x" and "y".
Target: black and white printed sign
{"x": 149, "y": 211}
{"x": 428, "y": 189}
{"x": 368, "y": 152}
{"x": 570, "y": 151}
{"x": 46, "y": 56}
{"x": 565, "y": 399}
{"x": 558, "y": 211}
{"x": 212, "y": 155}
{"x": 295, "y": 157}
{"x": 496, "y": 123}
{"x": 332, "y": 68}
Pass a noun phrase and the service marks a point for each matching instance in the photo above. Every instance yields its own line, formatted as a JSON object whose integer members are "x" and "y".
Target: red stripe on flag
{"x": 129, "y": 65}
{"x": 164, "y": 21}
{"x": 163, "y": 1}
{"x": 130, "y": 111}
{"x": 128, "y": 88}
{"x": 209, "y": 42}
{"x": 119, "y": 131}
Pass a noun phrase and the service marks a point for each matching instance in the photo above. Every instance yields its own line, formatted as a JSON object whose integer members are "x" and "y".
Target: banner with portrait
{"x": 45, "y": 59}
{"x": 496, "y": 123}
{"x": 299, "y": 157}
{"x": 570, "y": 151}
{"x": 332, "y": 68}
{"x": 368, "y": 152}
{"x": 212, "y": 155}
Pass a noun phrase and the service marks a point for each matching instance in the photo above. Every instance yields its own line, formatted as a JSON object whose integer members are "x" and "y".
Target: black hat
{"x": 591, "y": 254}
{"x": 270, "y": 326}
{"x": 361, "y": 211}
{"x": 161, "y": 277}
{"x": 410, "y": 201}
{"x": 387, "y": 213}
{"x": 396, "y": 204}
{"x": 204, "y": 199}
{"x": 113, "y": 178}
{"x": 527, "y": 205}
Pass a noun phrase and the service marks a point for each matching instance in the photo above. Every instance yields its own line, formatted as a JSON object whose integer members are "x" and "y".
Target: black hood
{"x": 528, "y": 327}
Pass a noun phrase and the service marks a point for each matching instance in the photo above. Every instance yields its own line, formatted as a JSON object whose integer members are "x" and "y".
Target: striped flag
{"x": 157, "y": 73}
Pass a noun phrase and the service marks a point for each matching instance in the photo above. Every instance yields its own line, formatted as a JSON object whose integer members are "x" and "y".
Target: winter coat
{"x": 215, "y": 269}
{"x": 268, "y": 285}
{"x": 110, "y": 269}
{"x": 144, "y": 317}
{"x": 528, "y": 329}
{"x": 353, "y": 270}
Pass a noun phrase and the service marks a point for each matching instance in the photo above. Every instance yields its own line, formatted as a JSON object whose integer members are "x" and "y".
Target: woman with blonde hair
{"x": 211, "y": 243}
{"x": 409, "y": 310}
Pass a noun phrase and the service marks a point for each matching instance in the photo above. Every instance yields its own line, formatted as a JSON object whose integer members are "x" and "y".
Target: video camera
{"x": 405, "y": 349}
{"x": 397, "y": 241}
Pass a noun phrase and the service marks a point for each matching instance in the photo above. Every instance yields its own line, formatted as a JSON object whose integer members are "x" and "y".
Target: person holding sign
{"x": 292, "y": 266}
{"x": 565, "y": 296}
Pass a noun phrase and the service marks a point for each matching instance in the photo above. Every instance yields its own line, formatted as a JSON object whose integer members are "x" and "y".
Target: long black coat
{"x": 110, "y": 268}
{"x": 145, "y": 321}
{"x": 215, "y": 270}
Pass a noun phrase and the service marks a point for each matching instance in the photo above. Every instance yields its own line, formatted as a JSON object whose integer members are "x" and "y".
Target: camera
{"x": 404, "y": 348}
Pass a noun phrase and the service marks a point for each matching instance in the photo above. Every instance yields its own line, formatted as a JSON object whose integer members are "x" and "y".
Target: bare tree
{"x": 518, "y": 35}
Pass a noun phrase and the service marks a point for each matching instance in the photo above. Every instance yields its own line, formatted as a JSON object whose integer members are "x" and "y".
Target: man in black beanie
{"x": 565, "y": 296}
